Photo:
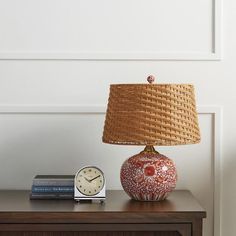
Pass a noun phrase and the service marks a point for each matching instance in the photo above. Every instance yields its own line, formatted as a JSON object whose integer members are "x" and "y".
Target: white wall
{"x": 90, "y": 30}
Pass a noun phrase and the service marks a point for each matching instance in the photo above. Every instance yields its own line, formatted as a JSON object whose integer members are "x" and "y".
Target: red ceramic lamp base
{"x": 148, "y": 176}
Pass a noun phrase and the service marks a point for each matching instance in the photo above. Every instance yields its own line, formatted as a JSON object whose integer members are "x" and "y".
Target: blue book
{"x": 52, "y": 189}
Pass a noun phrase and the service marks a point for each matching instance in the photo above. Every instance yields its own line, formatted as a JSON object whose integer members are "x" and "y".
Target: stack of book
{"x": 52, "y": 187}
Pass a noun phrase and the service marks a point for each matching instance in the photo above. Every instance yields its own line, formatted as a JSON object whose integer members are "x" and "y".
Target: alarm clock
{"x": 89, "y": 184}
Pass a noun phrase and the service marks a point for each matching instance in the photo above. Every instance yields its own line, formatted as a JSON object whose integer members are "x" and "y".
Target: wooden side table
{"x": 119, "y": 216}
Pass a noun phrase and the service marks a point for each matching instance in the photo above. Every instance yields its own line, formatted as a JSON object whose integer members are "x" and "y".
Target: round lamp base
{"x": 148, "y": 176}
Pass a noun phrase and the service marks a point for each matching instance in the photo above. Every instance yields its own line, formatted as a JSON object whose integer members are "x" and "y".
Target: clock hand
{"x": 94, "y": 178}
{"x": 87, "y": 179}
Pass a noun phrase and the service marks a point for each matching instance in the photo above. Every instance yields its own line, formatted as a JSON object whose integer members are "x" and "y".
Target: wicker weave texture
{"x": 151, "y": 114}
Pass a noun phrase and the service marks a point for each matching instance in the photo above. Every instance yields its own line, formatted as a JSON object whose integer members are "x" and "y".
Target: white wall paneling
{"x": 110, "y": 30}
{"x": 216, "y": 113}
{"x": 60, "y": 139}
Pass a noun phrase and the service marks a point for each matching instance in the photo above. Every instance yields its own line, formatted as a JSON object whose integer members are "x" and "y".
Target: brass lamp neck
{"x": 149, "y": 149}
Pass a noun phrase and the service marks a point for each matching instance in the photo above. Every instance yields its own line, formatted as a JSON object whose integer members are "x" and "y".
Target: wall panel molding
{"x": 214, "y": 111}
{"x": 152, "y": 55}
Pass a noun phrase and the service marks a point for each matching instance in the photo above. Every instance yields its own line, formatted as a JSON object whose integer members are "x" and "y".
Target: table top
{"x": 180, "y": 203}
{"x": 116, "y": 201}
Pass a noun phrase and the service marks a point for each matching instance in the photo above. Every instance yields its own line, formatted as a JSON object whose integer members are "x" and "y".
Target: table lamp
{"x": 149, "y": 115}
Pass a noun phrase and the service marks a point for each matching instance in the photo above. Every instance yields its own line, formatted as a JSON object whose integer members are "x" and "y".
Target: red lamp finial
{"x": 150, "y": 79}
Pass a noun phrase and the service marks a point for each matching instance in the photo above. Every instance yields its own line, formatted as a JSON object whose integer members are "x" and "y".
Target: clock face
{"x": 89, "y": 180}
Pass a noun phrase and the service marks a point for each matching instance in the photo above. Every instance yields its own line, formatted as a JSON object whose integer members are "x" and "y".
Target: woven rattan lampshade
{"x": 151, "y": 114}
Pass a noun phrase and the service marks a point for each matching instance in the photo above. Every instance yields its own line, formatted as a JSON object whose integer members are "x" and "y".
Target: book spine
{"x": 55, "y": 177}
{"x": 51, "y": 196}
{"x": 59, "y": 189}
{"x": 53, "y": 183}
